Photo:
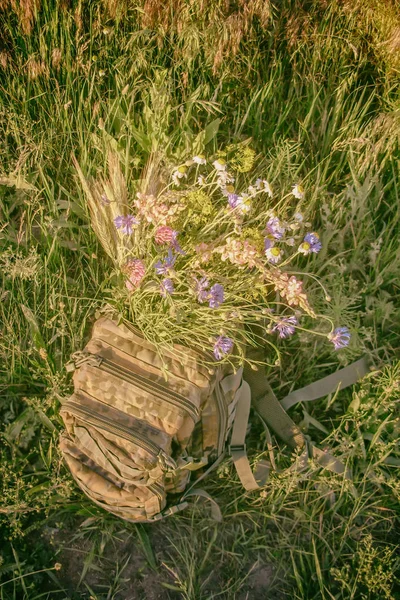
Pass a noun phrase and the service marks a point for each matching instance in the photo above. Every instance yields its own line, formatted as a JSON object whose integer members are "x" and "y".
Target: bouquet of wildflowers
{"x": 202, "y": 252}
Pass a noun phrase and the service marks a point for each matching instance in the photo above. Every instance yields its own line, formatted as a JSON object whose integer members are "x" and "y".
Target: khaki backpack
{"x": 141, "y": 430}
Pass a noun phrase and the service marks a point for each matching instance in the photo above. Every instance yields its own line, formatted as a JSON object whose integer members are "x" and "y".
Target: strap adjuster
{"x": 237, "y": 448}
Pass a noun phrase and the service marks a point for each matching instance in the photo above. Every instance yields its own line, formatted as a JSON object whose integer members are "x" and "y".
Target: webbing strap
{"x": 231, "y": 382}
{"x": 237, "y": 448}
{"x": 270, "y": 409}
{"x": 337, "y": 381}
{"x": 216, "y": 513}
{"x": 273, "y": 413}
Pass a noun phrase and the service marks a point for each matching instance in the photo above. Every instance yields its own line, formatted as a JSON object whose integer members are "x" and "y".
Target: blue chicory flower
{"x": 125, "y": 223}
{"x": 340, "y": 337}
{"x": 285, "y": 326}
{"x": 222, "y": 347}
{"x": 216, "y": 295}
{"x": 165, "y": 265}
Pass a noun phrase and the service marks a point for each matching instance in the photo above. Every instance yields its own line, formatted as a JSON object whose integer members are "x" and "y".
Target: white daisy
{"x": 224, "y": 178}
{"x": 199, "y": 159}
{"x": 274, "y": 255}
{"x": 268, "y": 188}
{"x": 262, "y": 184}
{"x": 298, "y": 191}
{"x": 244, "y": 204}
{"x": 220, "y": 164}
{"x": 304, "y": 248}
{"x": 178, "y": 174}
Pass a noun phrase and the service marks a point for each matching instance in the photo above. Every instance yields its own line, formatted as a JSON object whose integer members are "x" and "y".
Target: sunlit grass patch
{"x": 313, "y": 88}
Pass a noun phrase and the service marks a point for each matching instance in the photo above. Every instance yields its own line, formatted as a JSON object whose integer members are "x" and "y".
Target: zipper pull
{"x": 167, "y": 462}
{"x": 80, "y": 358}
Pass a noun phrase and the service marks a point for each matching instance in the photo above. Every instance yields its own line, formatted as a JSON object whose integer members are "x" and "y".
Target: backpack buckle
{"x": 193, "y": 464}
{"x": 242, "y": 448}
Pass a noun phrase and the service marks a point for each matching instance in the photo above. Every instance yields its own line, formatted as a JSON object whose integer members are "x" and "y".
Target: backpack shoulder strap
{"x": 332, "y": 383}
{"x": 275, "y": 416}
{"x": 237, "y": 448}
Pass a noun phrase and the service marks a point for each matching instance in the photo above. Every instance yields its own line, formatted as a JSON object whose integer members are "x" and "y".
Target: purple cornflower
{"x": 216, "y": 296}
{"x": 340, "y": 337}
{"x": 233, "y": 200}
{"x": 201, "y": 290}
{"x": 275, "y": 228}
{"x": 126, "y": 223}
{"x": 223, "y": 345}
{"x": 313, "y": 240}
{"x": 285, "y": 327}
{"x": 166, "y": 287}
{"x": 162, "y": 267}
{"x": 176, "y": 246}
{"x": 268, "y": 243}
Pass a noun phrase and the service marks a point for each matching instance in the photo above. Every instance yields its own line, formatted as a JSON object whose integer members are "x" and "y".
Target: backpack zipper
{"x": 166, "y": 461}
{"x": 108, "y": 366}
{"x": 200, "y": 353}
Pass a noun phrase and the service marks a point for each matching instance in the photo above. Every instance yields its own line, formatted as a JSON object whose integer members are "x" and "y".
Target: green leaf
{"x": 34, "y": 327}
{"x": 211, "y": 130}
{"x": 45, "y": 420}
{"x": 146, "y": 546}
{"x": 309, "y": 420}
{"x": 142, "y": 139}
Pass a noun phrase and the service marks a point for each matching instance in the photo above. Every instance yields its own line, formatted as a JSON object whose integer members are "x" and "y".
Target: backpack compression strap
{"x": 273, "y": 413}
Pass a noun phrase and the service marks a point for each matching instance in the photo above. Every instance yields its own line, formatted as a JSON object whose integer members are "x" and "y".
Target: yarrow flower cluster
{"x": 157, "y": 210}
{"x": 239, "y": 252}
{"x": 209, "y": 243}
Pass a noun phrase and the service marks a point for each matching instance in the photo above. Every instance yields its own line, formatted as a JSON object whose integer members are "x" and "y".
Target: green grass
{"x": 316, "y": 90}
